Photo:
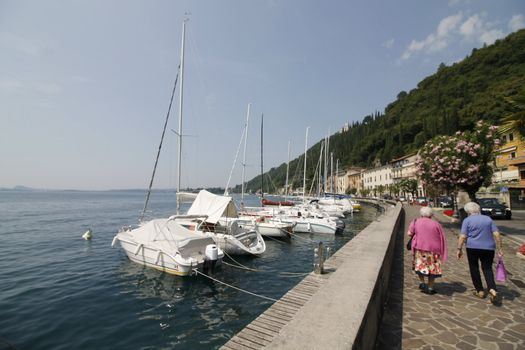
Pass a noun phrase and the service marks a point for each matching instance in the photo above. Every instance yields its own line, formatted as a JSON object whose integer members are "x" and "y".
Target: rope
{"x": 306, "y": 239}
{"x": 240, "y": 267}
{"x": 235, "y": 261}
{"x": 275, "y": 239}
{"x": 160, "y": 145}
{"x": 236, "y": 288}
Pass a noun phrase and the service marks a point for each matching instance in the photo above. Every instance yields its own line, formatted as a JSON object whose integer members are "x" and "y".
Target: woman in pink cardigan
{"x": 429, "y": 249}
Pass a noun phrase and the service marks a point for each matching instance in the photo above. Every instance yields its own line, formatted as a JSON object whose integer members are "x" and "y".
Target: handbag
{"x": 501, "y": 273}
{"x": 409, "y": 243}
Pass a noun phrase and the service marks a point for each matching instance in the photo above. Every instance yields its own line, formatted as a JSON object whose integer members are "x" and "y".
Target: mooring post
{"x": 319, "y": 259}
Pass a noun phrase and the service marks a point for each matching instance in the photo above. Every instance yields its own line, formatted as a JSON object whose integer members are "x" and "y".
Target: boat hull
{"x": 165, "y": 262}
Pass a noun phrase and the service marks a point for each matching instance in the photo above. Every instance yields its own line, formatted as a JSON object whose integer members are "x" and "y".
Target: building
{"x": 349, "y": 179}
{"x": 405, "y": 168}
{"x": 510, "y": 168}
{"x": 378, "y": 176}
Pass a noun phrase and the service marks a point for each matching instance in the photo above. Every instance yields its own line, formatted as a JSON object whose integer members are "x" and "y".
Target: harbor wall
{"x": 346, "y": 311}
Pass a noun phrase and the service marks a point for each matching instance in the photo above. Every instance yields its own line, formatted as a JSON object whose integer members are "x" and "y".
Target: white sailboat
{"x": 165, "y": 244}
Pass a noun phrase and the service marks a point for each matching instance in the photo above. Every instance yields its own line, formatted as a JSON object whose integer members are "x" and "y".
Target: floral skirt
{"x": 427, "y": 263}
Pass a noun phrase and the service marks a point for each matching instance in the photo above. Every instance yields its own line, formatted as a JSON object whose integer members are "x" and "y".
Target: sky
{"x": 85, "y": 85}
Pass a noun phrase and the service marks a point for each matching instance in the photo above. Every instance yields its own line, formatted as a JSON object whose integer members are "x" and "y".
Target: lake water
{"x": 59, "y": 291}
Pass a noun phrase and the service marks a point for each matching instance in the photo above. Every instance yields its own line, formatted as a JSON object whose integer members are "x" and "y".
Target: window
{"x": 511, "y": 137}
{"x": 504, "y": 139}
{"x": 512, "y": 154}
{"x": 522, "y": 174}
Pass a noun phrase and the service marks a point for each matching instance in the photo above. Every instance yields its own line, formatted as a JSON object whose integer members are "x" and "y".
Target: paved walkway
{"x": 453, "y": 318}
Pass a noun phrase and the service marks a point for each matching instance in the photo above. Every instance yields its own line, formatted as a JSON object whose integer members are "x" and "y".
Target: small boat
{"x": 266, "y": 202}
{"x": 216, "y": 216}
{"x": 267, "y": 227}
{"x": 167, "y": 246}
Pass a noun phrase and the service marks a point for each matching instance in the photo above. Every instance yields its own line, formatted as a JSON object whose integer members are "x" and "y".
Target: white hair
{"x": 472, "y": 208}
{"x": 426, "y": 212}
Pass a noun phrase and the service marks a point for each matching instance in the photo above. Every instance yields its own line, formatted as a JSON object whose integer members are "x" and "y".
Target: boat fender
{"x": 115, "y": 239}
{"x": 309, "y": 227}
{"x": 212, "y": 252}
{"x": 87, "y": 235}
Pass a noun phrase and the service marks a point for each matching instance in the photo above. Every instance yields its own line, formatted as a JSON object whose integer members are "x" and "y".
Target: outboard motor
{"x": 210, "y": 258}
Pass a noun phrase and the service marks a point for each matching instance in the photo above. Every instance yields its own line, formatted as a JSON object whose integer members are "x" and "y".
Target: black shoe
{"x": 422, "y": 286}
{"x": 430, "y": 291}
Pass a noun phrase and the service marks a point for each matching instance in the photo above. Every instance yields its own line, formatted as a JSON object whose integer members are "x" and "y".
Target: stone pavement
{"x": 453, "y": 318}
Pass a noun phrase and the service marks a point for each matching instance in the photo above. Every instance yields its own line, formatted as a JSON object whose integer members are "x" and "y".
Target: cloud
{"x": 471, "y": 27}
{"x": 475, "y": 29}
{"x": 436, "y": 41}
{"x": 388, "y": 44}
{"x": 516, "y": 22}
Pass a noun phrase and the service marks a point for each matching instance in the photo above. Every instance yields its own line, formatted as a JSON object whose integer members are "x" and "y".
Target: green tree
{"x": 408, "y": 186}
{"x": 515, "y": 122}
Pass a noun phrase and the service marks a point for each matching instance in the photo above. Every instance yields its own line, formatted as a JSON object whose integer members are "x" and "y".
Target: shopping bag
{"x": 501, "y": 273}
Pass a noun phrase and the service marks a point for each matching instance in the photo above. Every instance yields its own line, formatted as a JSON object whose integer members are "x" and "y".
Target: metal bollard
{"x": 319, "y": 259}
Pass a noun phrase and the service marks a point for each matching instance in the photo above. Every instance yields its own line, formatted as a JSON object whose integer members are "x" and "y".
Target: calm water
{"x": 59, "y": 291}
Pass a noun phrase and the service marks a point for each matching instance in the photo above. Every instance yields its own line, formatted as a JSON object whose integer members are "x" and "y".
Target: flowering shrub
{"x": 522, "y": 249}
{"x": 462, "y": 160}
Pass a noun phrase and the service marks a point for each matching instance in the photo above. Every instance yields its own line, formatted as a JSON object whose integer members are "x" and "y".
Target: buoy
{"x": 87, "y": 235}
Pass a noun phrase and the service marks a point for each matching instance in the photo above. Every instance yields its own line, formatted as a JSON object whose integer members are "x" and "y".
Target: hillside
{"x": 452, "y": 99}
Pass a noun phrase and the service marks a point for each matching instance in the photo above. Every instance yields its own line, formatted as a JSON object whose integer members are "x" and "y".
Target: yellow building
{"x": 510, "y": 168}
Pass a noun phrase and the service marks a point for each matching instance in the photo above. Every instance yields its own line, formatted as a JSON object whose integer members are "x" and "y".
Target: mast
{"x": 287, "y": 172}
{"x": 325, "y": 178}
{"x": 337, "y": 176}
{"x": 244, "y": 155}
{"x": 304, "y": 174}
{"x": 179, "y": 161}
{"x": 262, "y": 175}
{"x": 331, "y": 172}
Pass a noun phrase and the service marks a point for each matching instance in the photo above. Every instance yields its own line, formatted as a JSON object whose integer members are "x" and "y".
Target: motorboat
{"x": 167, "y": 246}
{"x": 266, "y": 226}
{"x": 216, "y": 217}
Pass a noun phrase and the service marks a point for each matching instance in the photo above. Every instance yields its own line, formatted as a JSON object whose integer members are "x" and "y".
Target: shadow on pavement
{"x": 390, "y": 329}
{"x": 449, "y": 288}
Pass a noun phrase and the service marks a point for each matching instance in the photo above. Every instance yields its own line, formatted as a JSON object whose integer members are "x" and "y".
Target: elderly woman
{"x": 482, "y": 237}
{"x": 429, "y": 249}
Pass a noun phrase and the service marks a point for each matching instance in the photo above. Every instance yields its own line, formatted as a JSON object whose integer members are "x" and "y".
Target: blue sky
{"x": 85, "y": 85}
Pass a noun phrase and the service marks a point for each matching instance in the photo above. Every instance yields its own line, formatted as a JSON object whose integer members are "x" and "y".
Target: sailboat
{"x": 266, "y": 201}
{"x": 165, "y": 244}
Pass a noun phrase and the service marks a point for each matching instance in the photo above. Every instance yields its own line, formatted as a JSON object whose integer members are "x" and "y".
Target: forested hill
{"x": 452, "y": 99}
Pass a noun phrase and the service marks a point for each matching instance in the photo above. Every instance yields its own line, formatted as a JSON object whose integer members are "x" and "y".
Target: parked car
{"x": 444, "y": 202}
{"x": 422, "y": 201}
{"x": 494, "y": 208}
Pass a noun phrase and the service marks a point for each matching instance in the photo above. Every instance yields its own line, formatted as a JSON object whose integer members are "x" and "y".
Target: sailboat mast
{"x": 337, "y": 176}
{"x": 304, "y": 173}
{"x": 179, "y": 160}
{"x": 244, "y": 155}
{"x": 331, "y": 172}
{"x": 287, "y": 172}
{"x": 262, "y": 175}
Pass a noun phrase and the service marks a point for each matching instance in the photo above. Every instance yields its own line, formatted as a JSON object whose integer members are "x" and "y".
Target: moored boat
{"x": 169, "y": 247}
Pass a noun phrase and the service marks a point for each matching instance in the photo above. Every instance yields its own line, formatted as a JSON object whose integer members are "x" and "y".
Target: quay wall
{"x": 344, "y": 306}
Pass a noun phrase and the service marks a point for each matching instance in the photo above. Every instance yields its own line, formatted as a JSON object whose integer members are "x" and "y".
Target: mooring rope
{"x": 294, "y": 235}
{"x": 241, "y": 267}
{"x": 236, "y": 288}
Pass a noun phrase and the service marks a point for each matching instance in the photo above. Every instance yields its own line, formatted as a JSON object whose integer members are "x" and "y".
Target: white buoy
{"x": 87, "y": 235}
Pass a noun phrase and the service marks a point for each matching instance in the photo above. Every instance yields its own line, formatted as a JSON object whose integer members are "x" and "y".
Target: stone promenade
{"x": 453, "y": 318}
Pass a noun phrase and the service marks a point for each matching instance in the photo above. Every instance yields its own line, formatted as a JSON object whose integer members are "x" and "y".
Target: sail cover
{"x": 214, "y": 206}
